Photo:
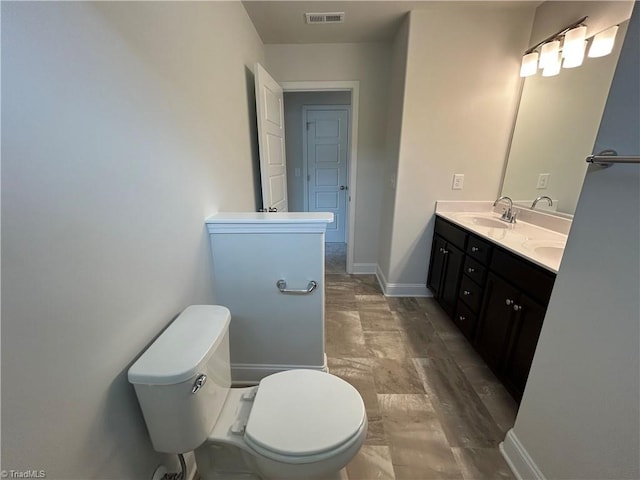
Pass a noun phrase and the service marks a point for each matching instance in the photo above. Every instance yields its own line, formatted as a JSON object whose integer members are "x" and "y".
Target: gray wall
{"x": 293, "y": 103}
{"x": 124, "y": 125}
{"x": 581, "y": 407}
{"x": 458, "y": 108}
{"x": 393, "y": 135}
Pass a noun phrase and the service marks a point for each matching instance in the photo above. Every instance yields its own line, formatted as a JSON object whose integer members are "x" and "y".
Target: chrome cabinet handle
{"x": 282, "y": 286}
{"x": 475, "y": 249}
{"x": 509, "y": 301}
{"x": 344, "y": 187}
{"x": 471, "y": 269}
{"x": 517, "y": 308}
{"x": 462, "y": 318}
{"x": 466, "y": 292}
{"x": 272, "y": 209}
{"x": 198, "y": 384}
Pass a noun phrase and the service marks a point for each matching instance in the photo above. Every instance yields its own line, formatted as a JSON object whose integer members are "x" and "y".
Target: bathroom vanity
{"x": 268, "y": 270}
{"x": 494, "y": 280}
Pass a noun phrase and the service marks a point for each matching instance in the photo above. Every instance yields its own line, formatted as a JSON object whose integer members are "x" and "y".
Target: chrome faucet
{"x": 535, "y": 202}
{"x": 509, "y": 215}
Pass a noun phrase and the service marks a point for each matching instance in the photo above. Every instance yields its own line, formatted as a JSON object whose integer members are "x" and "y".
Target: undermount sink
{"x": 552, "y": 253}
{"x": 486, "y": 221}
{"x": 548, "y": 250}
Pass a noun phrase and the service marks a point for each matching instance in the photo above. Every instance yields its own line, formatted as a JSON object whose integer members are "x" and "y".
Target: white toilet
{"x": 297, "y": 424}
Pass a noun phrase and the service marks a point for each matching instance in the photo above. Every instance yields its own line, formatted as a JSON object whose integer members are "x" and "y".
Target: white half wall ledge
{"x": 277, "y": 222}
{"x": 401, "y": 289}
{"x": 518, "y": 459}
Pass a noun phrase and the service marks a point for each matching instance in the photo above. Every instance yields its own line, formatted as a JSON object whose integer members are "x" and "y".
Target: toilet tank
{"x": 183, "y": 378}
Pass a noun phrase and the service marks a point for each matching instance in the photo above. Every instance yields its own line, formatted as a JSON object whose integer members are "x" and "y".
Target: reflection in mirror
{"x": 555, "y": 130}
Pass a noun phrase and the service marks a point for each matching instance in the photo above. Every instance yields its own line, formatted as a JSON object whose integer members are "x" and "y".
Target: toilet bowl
{"x": 296, "y": 424}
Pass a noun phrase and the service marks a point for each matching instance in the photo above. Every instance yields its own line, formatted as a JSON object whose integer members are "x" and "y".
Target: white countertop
{"x": 540, "y": 245}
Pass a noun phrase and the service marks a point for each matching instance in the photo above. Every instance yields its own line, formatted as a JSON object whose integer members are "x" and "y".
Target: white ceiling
{"x": 365, "y": 21}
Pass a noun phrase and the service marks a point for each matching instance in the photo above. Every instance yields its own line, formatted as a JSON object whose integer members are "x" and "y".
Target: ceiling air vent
{"x": 332, "y": 17}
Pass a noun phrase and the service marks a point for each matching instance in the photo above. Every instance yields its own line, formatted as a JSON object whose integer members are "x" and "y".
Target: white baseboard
{"x": 401, "y": 289}
{"x": 518, "y": 459}
{"x": 251, "y": 374}
{"x": 364, "y": 268}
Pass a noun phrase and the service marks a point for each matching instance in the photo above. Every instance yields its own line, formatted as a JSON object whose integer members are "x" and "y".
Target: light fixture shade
{"x": 573, "y": 45}
{"x": 576, "y": 58}
{"x": 552, "y": 67}
{"x": 549, "y": 53}
{"x": 529, "y": 64}
{"x": 603, "y": 42}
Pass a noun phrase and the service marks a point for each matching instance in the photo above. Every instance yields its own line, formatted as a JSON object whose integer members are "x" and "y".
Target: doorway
{"x": 352, "y": 89}
{"x": 326, "y": 183}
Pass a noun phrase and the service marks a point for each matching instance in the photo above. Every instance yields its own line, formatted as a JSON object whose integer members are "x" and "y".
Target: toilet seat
{"x": 299, "y": 415}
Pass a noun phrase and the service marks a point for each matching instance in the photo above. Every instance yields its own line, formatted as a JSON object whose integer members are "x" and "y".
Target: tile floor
{"x": 435, "y": 410}
{"x": 335, "y": 257}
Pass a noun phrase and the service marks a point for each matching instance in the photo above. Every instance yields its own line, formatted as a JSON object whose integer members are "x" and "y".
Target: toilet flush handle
{"x": 197, "y": 385}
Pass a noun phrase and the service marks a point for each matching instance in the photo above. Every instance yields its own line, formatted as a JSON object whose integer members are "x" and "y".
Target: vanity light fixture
{"x": 549, "y": 54}
{"x": 603, "y": 42}
{"x": 552, "y": 66}
{"x": 574, "y": 46}
{"x": 566, "y": 48}
{"x": 529, "y": 64}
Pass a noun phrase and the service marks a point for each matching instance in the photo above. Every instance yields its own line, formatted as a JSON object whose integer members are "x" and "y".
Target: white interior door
{"x": 327, "y": 150}
{"x": 273, "y": 166}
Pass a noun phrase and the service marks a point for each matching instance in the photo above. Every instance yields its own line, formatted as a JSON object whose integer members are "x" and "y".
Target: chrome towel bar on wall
{"x": 608, "y": 157}
{"x": 282, "y": 286}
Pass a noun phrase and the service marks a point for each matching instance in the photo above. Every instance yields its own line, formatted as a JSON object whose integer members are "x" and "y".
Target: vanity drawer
{"x": 470, "y": 293}
{"x": 474, "y": 270}
{"x": 534, "y": 280}
{"x": 451, "y": 233}
{"x": 478, "y": 249}
{"x": 465, "y": 319}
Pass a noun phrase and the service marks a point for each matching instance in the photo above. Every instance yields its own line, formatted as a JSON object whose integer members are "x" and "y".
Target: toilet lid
{"x": 304, "y": 412}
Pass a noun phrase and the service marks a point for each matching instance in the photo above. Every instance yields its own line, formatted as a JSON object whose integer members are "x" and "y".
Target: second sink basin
{"x": 552, "y": 253}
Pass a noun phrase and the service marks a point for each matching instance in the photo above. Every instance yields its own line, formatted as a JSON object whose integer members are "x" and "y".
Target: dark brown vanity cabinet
{"x": 447, "y": 259}
{"x": 516, "y": 298}
{"x": 496, "y": 298}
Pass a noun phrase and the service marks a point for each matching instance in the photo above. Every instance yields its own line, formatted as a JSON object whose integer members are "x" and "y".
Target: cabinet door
{"x": 527, "y": 326}
{"x": 496, "y": 321}
{"x": 436, "y": 268}
{"x": 451, "y": 278}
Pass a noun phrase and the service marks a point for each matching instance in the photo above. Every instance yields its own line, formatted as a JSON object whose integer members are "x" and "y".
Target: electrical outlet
{"x": 543, "y": 181}
{"x": 458, "y": 181}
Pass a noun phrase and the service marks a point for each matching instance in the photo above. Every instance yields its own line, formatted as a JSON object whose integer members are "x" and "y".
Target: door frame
{"x": 305, "y": 168}
{"x": 354, "y": 88}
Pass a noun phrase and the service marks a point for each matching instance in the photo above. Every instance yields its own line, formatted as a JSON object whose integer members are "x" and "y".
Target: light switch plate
{"x": 458, "y": 181}
{"x": 543, "y": 181}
